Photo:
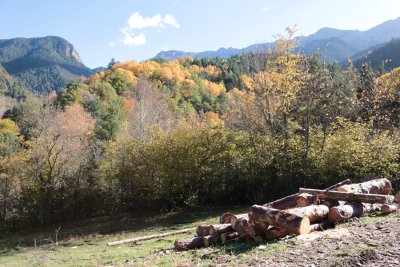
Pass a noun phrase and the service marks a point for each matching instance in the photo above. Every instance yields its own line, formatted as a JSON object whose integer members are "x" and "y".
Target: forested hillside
{"x": 384, "y": 57}
{"x": 160, "y": 135}
{"x": 42, "y": 64}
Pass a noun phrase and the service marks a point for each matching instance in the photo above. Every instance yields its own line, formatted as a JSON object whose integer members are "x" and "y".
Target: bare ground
{"x": 369, "y": 241}
{"x": 373, "y": 241}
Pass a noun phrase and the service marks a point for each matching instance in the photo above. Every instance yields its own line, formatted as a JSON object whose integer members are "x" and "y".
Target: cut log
{"x": 389, "y": 208}
{"x": 189, "y": 243}
{"x": 203, "y": 230}
{"x": 244, "y": 216}
{"x": 274, "y": 233}
{"x": 321, "y": 226}
{"x": 397, "y": 197}
{"x": 231, "y": 236}
{"x": 351, "y": 197}
{"x": 280, "y": 218}
{"x": 217, "y": 229}
{"x": 330, "y": 203}
{"x": 315, "y": 213}
{"x": 211, "y": 240}
{"x": 344, "y": 212}
{"x": 148, "y": 237}
{"x": 254, "y": 230}
{"x": 304, "y": 200}
{"x": 290, "y": 201}
{"x": 376, "y": 186}
{"x": 242, "y": 226}
{"x": 226, "y": 217}
{"x": 257, "y": 231}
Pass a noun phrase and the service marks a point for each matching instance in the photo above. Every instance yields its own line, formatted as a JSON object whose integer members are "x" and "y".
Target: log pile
{"x": 307, "y": 211}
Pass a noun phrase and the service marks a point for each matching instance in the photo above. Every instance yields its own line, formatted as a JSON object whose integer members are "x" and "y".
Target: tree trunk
{"x": 226, "y": 217}
{"x": 242, "y": 226}
{"x": 274, "y": 233}
{"x": 237, "y": 217}
{"x": 211, "y": 240}
{"x": 280, "y": 218}
{"x": 315, "y": 213}
{"x": 377, "y": 186}
{"x": 351, "y": 197}
{"x": 304, "y": 200}
{"x": 203, "y": 230}
{"x": 344, "y": 212}
{"x": 189, "y": 243}
{"x": 389, "y": 208}
{"x": 397, "y": 197}
{"x": 230, "y": 236}
{"x": 290, "y": 201}
{"x": 217, "y": 229}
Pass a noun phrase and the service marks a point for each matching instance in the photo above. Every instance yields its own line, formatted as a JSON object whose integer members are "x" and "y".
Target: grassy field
{"x": 85, "y": 243}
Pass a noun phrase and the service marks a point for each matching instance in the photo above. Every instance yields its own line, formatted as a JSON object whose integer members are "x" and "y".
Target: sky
{"x": 139, "y": 29}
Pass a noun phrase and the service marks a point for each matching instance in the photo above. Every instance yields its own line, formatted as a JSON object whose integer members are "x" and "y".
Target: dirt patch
{"x": 362, "y": 242}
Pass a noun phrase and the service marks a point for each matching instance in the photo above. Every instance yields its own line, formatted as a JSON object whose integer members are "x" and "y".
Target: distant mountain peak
{"x": 342, "y": 43}
{"x": 44, "y": 64}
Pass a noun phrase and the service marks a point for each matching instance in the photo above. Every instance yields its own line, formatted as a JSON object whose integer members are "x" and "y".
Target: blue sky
{"x": 139, "y": 29}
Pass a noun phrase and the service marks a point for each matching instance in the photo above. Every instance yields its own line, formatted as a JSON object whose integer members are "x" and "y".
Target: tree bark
{"x": 211, "y": 240}
{"x": 314, "y": 213}
{"x": 376, "y": 186}
{"x": 274, "y": 233}
{"x": 351, "y": 197}
{"x": 241, "y": 226}
{"x": 280, "y": 218}
{"x": 189, "y": 243}
{"x": 344, "y": 212}
{"x": 304, "y": 200}
{"x": 237, "y": 217}
{"x": 203, "y": 230}
{"x": 290, "y": 201}
{"x": 230, "y": 236}
{"x": 226, "y": 217}
{"x": 217, "y": 229}
{"x": 389, "y": 208}
{"x": 397, "y": 197}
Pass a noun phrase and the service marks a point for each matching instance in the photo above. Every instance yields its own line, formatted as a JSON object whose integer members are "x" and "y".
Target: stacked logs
{"x": 301, "y": 213}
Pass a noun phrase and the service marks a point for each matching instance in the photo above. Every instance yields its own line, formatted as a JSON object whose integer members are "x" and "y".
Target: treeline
{"x": 162, "y": 135}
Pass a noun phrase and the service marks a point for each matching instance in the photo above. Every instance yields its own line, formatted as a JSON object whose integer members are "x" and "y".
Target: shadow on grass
{"x": 109, "y": 225}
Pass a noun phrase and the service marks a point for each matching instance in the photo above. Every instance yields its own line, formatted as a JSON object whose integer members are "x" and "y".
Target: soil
{"x": 362, "y": 242}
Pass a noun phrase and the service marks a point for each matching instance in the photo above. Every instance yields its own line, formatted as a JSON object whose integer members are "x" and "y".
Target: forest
{"x": 163, "y": 135}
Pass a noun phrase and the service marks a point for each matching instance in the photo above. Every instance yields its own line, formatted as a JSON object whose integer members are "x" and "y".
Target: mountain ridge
{"x": 43, "y": 64}
{"x": 348, "y": 43}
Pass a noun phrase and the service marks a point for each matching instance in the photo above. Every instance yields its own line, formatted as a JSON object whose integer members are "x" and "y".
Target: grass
{"x": 84, "y": 243}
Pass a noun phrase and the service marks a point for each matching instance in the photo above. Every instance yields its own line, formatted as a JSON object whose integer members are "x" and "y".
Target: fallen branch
{"x": 148, "y": 237}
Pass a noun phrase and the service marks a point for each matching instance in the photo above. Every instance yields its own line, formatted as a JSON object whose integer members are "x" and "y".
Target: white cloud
{"x": 133, "y": 33}
{"x": 265, "y": 9}
{"x": 131, "y": 39}
{"x": 137, "y": 21}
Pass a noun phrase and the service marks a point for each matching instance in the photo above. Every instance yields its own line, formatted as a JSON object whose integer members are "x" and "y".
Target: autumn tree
{"x": 58, "y": 155}
{"x": 10, "y": 144}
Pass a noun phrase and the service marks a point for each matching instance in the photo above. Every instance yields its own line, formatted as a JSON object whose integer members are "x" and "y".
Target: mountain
{"x": 332, "y": 44}
{"x": 387, "y": 53}
{"x": 42, "y": 64}
{"x": 11, "y": 87}
{"x": 221, "y": 53}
